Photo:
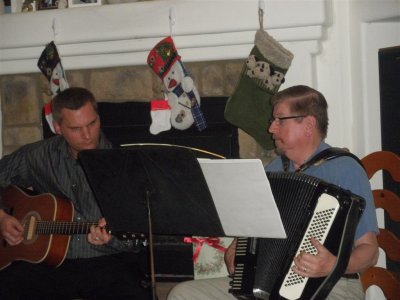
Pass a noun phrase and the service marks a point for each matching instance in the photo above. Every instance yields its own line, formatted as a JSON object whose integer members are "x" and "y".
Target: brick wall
{"x": 23, "y": 96}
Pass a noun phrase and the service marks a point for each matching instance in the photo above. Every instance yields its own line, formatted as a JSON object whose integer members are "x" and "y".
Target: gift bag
{"x": 208, "y": 256}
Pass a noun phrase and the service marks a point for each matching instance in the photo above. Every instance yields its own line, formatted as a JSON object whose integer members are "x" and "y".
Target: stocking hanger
{"x": 261, "y": 9}
{"x": 56, "y": 28}
{"x": 172, "y": 19}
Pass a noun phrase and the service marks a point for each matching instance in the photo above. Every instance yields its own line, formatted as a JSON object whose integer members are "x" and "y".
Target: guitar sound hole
{"x": 30, "y": 223}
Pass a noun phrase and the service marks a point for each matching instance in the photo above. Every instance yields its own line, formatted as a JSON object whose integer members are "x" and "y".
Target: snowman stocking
{"x": 249, "y": 106}
{"x": 50, "y": 65}
{"x": 183, "y": 96}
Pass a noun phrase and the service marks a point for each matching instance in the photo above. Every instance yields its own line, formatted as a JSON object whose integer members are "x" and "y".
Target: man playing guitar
{"x": 97, "y": 265}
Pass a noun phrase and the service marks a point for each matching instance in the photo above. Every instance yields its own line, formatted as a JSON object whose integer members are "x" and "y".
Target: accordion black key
{"x": 309, "y": 207}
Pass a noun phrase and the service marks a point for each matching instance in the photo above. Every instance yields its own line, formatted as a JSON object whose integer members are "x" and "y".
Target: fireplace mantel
{"x": 123, "y": 34}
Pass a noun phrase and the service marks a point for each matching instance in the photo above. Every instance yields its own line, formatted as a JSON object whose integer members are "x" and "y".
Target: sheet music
{"x": 243, "y": 197}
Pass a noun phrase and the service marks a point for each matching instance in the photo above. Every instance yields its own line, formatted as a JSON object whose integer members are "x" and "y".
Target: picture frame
{"x": 83, "y": 3}
{"x": 29, "y": 5}
{"x": 47, "y": 4}
{"x": 16, "y": 6}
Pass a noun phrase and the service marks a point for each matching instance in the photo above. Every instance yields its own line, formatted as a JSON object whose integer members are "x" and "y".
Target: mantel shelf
{"x": 123, "y": 34}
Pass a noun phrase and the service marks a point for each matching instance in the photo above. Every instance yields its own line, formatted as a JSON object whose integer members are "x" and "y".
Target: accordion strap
{"x": 320, "y": 158}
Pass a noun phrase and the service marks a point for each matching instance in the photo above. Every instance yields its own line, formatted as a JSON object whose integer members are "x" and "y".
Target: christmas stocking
{"x": 160, "y": 116}
{"x": 182, "y": 94}
{"x": 249, "y": 106}
{"x": 50, "y": 65}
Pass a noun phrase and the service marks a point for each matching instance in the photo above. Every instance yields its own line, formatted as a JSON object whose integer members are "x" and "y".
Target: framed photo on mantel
{"x": 47, "y": 4}
{"x": 83, "y": 3}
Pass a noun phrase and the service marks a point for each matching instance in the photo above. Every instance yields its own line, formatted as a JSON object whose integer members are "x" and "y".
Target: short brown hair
{"x": 71, "y": 98}
{"x": 304, "y": 100}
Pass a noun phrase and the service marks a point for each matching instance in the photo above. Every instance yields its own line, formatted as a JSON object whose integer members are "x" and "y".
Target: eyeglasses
{"x": 280, "y": 119}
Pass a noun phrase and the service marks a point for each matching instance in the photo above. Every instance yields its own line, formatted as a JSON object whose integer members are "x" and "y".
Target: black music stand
{"x": 152, "y": 190}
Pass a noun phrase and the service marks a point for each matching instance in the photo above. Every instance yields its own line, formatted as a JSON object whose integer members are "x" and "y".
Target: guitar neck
{"x": 66, "y": 228}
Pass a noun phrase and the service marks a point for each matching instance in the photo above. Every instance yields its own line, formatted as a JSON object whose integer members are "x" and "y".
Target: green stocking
{"x": 249, "y": 107}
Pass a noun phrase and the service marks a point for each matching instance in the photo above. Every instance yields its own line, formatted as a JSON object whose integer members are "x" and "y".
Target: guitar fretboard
{"x": 69, "y": 228}
{"x": 34, "y": 227}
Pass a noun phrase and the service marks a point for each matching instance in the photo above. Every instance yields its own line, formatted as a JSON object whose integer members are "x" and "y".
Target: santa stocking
{"x": 183, "y": 96}
{"x": 50, "y": 65}
{"x": 160, "y": 116}
{"x": 249, "y": 106}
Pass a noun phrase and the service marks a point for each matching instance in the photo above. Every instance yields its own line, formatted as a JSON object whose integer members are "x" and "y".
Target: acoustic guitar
{"x": 48, "y": 226}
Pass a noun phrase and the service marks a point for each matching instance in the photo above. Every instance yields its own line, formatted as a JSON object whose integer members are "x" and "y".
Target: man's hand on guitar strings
{"x": 98, "y": 235}
{"x": 11, "y": 229}
{"x": 310, "y": 265}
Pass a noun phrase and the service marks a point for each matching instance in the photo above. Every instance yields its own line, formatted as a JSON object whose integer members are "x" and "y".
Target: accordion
{"x": 309, "y": 207}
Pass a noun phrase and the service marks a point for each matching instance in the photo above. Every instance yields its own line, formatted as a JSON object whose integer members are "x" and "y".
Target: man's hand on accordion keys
{"x": 318, "y": 265}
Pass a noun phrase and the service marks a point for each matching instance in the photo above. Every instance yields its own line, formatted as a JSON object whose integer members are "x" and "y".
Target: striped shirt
{"x": 48, "y": 167}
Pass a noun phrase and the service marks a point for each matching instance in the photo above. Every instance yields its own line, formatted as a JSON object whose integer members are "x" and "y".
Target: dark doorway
{"x": 389, "y": 83}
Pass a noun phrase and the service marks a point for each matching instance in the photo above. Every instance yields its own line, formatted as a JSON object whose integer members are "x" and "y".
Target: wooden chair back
{"x": 388, "y": 281}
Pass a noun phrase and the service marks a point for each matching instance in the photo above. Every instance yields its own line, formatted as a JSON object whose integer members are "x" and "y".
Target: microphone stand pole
{"x": 152, "y": 271}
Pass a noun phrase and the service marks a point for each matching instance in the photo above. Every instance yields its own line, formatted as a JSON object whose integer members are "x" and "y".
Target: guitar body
{"x": 36, "y": 248}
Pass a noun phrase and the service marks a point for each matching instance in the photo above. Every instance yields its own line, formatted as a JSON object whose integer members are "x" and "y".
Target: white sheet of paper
{"x": 243, "y": 197}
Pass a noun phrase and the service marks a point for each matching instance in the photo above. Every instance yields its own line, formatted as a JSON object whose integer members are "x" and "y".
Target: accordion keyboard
{"x": 245, "y": 266}
{"x": 318, "y": 228}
